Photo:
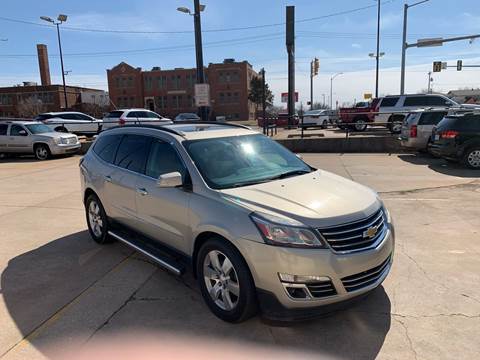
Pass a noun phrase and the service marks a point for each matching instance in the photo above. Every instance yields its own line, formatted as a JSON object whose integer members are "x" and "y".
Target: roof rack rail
{"x": 148, "y": 126}
{"x": 211, "y": 123}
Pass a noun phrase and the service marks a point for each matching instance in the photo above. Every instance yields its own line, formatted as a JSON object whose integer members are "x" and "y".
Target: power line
{"x": 116, "y": 31}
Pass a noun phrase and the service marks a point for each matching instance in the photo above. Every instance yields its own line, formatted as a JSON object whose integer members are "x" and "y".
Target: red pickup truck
{"x": 359, "y": 116}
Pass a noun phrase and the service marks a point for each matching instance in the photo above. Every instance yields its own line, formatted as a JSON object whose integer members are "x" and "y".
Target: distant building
{"x": 465, "y": 96}
{"x": 30, "y": 99}
{"x": 170, "y": 92}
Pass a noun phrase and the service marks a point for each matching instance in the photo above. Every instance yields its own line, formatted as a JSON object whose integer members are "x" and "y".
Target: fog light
{"x": 302, "y": 279}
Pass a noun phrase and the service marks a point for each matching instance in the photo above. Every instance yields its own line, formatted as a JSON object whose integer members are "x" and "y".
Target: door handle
{"x": 142, "y": 191}
{"x": 108, "y": 178}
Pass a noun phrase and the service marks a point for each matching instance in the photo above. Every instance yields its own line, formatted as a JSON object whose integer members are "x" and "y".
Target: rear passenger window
{"x": 436, "y": 101}
{"x": 106, "y": 147}
{"x": 133, "y": 114}
{"x": 163, "y": 159}
{"x": 431, "y": 118}
{"x": 133, "y": 152}
{"x": 416, "y": 101}
{"x": 389, "y": 101}
{"x": 3, "y": 129}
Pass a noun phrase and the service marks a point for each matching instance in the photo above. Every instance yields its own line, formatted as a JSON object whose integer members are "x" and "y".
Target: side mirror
{"x": 22, "y": 133}
{"x": 170, "y": 180}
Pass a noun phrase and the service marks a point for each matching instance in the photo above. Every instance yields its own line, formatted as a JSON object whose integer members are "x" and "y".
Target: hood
{"x": 318, "y": 199}
{"x": 55, "y": 135}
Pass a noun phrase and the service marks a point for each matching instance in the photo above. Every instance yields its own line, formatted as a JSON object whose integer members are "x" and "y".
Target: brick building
{"x": 170, "y": 92}
{"x": 31, "y": 99}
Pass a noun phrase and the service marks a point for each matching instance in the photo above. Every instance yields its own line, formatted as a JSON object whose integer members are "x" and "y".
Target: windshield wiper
{"x": 290, "y": 174}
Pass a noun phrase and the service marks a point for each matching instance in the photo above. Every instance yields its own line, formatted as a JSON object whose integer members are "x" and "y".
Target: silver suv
{"x": 29, "y": 137}
{"x": 259, "y": 227}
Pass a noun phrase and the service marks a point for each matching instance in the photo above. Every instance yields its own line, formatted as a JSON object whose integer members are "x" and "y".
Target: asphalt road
{"x": 58, "y": 286}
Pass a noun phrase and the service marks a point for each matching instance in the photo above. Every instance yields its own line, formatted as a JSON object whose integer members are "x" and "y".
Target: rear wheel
{"x": 61, "y": 129}
{"x": 471, "y": 158}
{"x": 97, "y": 220}
{"x": 225, "y": 281}
{"x": 324, "y": 124}
{"x": 395, "y": 124}
{"x": 42, "y": 152}
{"x": 360, "y": 125}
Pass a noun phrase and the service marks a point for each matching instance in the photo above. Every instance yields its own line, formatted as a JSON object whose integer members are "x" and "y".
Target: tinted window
{"x": 416, "y": 101}
{"x": 467, "y": 123}
{"x": 133, "y": 152}
{"x": 3, "y": 129}
{"x": 15, "y": 130}
{"x": 133, "y": 114}
{"x": 114, "y": 114}
{"x": 163, "y": 159}
{"x": 83, "y": 117}
{"x": 42, "y": 117}
{"x": 437, "y": 101}
{"x": 67, "y": 116}
{"x": 106, "y": 147}
{"x": 151, "y": 115}
{"x": 431, "y": 118}
{"x": 389, "y": 101}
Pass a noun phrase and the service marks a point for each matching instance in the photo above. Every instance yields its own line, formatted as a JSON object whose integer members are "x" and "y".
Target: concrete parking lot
{"x": 57, "y": 285}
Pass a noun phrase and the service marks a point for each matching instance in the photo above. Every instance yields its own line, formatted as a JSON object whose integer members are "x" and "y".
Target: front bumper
{"x": 62, "y": 149}
{"x": 266, "y": 262}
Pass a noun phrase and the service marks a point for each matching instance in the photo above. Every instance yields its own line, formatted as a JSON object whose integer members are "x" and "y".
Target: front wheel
{"x": 42, "y": 152}
{"x": 471, "y": 158}
{"x": 225, "y": 281}
{"x": 360, "y": 125}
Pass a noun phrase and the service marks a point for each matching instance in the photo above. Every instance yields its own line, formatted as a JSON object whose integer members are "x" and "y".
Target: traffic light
{"x": 316, "y": 66}
{"x": 437, "y": 66}
{"x": 459, "y": 65}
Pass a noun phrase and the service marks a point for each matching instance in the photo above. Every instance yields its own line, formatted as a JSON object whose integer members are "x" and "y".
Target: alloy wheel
{"x": 95, "y": 218}
{"x": 41, "y": 152}
{"x": 221, "y": 280}
{"x": 474, "y": 159}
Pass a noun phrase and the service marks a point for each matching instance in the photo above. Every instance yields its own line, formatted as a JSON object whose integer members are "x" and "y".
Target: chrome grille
{"x": 355, "y": 236}
{"x": 365, "y": 278}
{"x": 71, "y": 140}
{"x": 321, "y": 289}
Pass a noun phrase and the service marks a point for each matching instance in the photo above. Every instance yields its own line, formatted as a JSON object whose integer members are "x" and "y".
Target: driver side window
{"x": 17, "y": 130}
{"x": 163, "y": 159}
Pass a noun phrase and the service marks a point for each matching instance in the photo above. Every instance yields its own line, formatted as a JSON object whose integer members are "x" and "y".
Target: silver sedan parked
{"x": 27, "y": 137}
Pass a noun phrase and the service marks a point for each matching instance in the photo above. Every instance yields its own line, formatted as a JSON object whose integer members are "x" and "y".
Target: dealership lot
{"x": 58, "y": 285}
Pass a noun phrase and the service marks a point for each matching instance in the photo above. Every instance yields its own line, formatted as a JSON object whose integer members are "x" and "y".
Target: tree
{"x": 255, "y": 93}
{"x": 319, "y": 106}
{"x": 30, "y": 107}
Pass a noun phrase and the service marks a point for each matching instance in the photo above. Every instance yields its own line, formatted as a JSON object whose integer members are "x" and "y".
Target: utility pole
{"x": 378, "y": 49}
{"x": 404, "y": 44}
{"x": 199, "y": 54}
{"x": 429, "y": 88}
{"x": 331, "y": 88}
{"x": 264, "y": 102}
{"x": 314, "y": 66}
{"x": 323, "y": 95}
{"x": 290, "y": 42}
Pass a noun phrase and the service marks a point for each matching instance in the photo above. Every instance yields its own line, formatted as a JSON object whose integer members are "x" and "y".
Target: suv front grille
{"x": 321, "y": 289}
{"x": 365, "y": 278}
{"x": 356, "y": 236}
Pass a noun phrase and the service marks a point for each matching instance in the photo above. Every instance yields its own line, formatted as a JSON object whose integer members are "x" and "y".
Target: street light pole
{"x": 429, "y": 89}
{"x": 378, "y": 50}
{"x": 61, "y": 63}
{"x": 331, "y": 88}
{"x": 199, "y": 53}
{"x": 60, "y": 19}
{"x": 264, "y": 102}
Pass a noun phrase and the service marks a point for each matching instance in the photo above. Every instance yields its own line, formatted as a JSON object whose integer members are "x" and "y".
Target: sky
{"x": 146, "y": 33}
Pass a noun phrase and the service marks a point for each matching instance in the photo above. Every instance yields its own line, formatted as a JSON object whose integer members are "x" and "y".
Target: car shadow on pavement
{"x": 440, "y": 165}
{"x": 38, "y": 285}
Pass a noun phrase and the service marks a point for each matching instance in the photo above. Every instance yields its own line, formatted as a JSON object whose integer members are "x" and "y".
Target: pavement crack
{"x": 411, "y": 191}
{"x": 422, "y": 269}
{"x": 407, "y": 335}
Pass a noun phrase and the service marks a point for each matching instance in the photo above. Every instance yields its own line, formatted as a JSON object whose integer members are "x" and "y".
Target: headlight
{"x": 57, "y": 140}
{"x": 285, "y": 232}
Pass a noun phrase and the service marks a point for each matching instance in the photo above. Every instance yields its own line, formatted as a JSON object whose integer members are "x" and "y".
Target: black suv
{"x": 457, "y": 137}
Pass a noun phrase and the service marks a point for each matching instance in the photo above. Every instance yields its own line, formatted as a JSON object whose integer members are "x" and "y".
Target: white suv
{"x": 71, "y": 121}
{"x": 133, "y": 116}
{"x": 394, "y": 108}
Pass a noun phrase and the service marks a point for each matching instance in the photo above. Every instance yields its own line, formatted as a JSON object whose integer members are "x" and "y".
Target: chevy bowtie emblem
{"x": 370, "y": 232}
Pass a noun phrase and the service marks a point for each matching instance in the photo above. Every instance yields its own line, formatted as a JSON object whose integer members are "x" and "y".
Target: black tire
{"x": 246, "y": 301}
{"x": 360, "y": 125}
{"x": 101, "y": 237}
{"x": 471, "y": 158}
{"x": 394, "y": 126}
{"x": 42, "y": 152}
{"x": 325, "y": 124}
{"x": 61, "y": 129}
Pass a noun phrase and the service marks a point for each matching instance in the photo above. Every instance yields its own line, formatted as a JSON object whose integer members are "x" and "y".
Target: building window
{"x": 161, "y": 102}
{"x": 161, "y": 82}
{"x": 177, "y": 101}
{"x": 191, "y": 100}
{"x": 148, "y": 83}
{"x": 191, "y": 80}
{"x": 175, "y": 82}
{"x": 6, "y": 99}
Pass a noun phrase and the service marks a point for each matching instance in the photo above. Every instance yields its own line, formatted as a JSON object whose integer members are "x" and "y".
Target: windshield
{"x": 38, "y": 128}
{"x": 235, "y": 161}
